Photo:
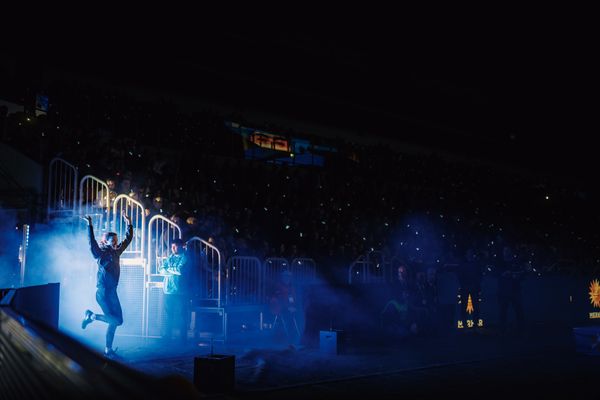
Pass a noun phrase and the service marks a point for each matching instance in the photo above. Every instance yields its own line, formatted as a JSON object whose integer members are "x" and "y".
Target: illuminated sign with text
{"x": 469, "y": 317}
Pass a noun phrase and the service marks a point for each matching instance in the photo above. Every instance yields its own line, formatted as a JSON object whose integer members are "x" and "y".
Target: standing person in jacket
{"x": 107, "y": 254}
{"x": 176, "y": 299}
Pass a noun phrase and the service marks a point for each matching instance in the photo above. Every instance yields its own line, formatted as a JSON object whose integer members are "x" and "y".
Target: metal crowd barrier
{"x": 122, "y": 205}
{"x": 94, "y": 200}
{"x": 209, "y": 276}
{"x": 62, "y": 188}
{"x": 369, "y": 268}
{"x": 161, "y": 232}
{"x": 245, "y": 281}
{"x": 131, "y": 289}
{"x": 273, "y": 266}
{"x": 304, "y": 270}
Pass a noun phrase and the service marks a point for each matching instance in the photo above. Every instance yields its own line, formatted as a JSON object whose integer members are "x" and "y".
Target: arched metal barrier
{"x": 94, "y": 200}
{"x": 245, "y": 281}
{"x": 304, "y": 270}
{"x": 369, "y": 268}
{"x": 208, "y": 279}
{"x": 160, "y": 233}
{"x": 131, "y": 288}
{"x": 125, "y": 205}
{"x": 62, "y": 188}
{"x": 273, "y": 266}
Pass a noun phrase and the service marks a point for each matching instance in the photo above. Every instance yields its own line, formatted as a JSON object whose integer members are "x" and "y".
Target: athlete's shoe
{"x": 87, "y": 319}
{"x": 112, "y": 353}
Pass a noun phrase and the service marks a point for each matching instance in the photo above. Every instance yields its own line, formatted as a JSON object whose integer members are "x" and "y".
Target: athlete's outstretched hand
{"x": 127, "y": 219}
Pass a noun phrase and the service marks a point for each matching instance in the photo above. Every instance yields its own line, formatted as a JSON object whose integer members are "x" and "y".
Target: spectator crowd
{"x": 419, "y": 208}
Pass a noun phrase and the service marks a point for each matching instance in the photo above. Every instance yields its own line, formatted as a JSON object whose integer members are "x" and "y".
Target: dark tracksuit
{"x": 109, "y": 270}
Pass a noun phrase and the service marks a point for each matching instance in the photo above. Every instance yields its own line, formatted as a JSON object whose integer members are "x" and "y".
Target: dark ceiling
{"x": 499, "y": 90}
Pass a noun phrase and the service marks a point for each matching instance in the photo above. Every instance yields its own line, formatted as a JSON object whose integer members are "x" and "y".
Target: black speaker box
{"x": 214, "y": 373}
{"x": 38, "y": 303}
